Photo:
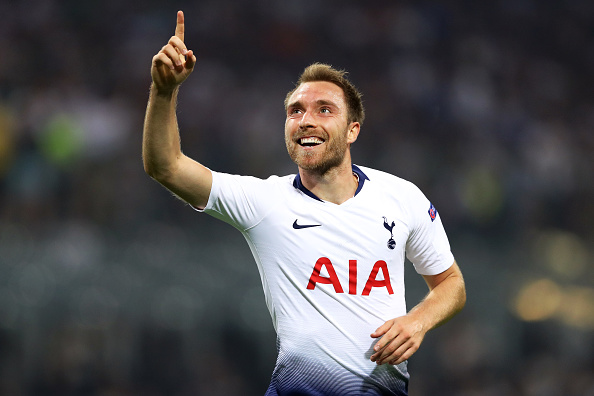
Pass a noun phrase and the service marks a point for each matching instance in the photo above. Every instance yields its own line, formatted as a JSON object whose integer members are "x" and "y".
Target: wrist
{"x": 163, "y": 92}
{"x": 421, "y": 322}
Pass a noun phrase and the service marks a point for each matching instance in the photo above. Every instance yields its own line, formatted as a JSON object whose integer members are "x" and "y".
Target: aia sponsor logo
{"x": 332, "y": 278}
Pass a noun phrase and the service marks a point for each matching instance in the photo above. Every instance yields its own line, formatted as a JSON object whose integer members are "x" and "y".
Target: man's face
{"x": 317, "y": 133}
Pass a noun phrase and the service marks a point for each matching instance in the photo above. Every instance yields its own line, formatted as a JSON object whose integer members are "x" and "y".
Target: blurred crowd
{"x": 112, "y": 287}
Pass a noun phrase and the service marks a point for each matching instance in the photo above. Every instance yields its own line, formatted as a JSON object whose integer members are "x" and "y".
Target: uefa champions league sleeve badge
{"x": 432, "y": 212}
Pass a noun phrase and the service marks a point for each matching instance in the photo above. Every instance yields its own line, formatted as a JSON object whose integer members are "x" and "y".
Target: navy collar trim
{"x": 356, "y": 170}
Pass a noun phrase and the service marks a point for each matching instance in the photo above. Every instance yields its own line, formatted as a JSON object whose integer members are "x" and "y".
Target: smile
{"x": 310, "y": 141}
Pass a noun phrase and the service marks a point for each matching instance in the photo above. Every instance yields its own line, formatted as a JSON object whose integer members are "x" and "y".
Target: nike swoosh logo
{"x": 299, "y": 227}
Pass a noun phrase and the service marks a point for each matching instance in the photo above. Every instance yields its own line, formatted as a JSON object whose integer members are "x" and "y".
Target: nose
{"x": 307, "y": 121}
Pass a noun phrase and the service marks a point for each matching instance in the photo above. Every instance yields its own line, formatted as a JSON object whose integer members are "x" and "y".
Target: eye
{"x": 295, "y": 111}
{"x": 325, "y": 110}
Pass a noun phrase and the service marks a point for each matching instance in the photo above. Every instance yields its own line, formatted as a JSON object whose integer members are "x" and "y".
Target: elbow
{"x": 158, "y": 173}
{"x": 150, "y": 169}
{"x": 462, "y": 296}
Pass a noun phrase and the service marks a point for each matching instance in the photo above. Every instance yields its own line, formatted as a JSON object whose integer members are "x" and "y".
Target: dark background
{"x": 110, "y": 286}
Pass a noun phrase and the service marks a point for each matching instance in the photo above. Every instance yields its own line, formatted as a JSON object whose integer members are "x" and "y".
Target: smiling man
{"x": 330, "y": 241}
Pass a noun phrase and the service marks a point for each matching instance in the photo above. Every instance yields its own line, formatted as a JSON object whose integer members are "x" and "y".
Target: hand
{"x": 174, "y": 63}
{"x": 400, "y": 339}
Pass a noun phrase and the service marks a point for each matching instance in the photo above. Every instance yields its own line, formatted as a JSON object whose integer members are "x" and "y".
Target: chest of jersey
{"x": 357, "y": 248}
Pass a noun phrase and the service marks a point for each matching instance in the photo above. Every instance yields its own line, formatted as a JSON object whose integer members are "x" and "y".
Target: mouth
{"x": 310, "y": 141}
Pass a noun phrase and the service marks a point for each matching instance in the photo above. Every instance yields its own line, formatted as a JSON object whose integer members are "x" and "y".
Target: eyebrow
{"x": 319, "y": 102}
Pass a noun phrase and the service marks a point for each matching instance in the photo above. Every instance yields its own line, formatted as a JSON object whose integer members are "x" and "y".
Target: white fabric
{"x": 330, "y": 330}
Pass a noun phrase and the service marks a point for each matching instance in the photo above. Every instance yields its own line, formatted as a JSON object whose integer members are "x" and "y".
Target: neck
{"x": 337, "y": 185}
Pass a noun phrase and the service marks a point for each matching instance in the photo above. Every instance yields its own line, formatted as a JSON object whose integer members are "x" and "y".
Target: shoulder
{"x": 270, "y": 181}
{"x": 390, "y": 183}
{"x": 243, "y": 201}
{"x": 228, "y": 186}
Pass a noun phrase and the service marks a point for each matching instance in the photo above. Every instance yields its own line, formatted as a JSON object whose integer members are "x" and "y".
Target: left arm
{"x": 401, "y": 337}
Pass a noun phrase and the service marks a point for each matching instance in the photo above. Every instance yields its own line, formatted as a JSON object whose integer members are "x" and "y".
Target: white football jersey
{"x": 332, "y": 274}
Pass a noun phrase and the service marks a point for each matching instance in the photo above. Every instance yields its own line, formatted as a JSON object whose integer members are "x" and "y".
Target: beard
{"x": 319, "y": 162}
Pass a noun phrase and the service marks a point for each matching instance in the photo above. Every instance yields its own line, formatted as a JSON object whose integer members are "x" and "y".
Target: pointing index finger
{"x": 180, "y": 28}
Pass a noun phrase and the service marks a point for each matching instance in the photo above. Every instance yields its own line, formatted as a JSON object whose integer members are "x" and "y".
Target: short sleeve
{"x": 241, "y": 201}
{"x": 427, "y": 247}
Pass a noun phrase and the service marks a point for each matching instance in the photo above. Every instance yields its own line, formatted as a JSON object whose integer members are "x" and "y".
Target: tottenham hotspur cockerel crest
{"x": 391, "y": 241}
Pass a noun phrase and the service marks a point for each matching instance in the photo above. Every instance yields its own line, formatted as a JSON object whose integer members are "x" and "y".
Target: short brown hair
{"x": 323, "y": 72}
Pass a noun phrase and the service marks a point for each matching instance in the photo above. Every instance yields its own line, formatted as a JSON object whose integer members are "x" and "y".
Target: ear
{"x": 353, "y": 132}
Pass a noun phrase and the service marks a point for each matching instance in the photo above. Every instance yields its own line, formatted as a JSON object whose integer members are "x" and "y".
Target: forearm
{"x": 402, "y": 336}
{"x": 161, "y": 151}
{"x": 160, "y": 142}
{"x": 442, "y": 303}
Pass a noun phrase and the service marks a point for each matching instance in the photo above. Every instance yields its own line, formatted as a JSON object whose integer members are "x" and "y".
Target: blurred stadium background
{"x": 110, "y": 286}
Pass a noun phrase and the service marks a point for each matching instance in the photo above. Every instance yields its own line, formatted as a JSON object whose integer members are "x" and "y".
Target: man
{"x": 329, "y": 242}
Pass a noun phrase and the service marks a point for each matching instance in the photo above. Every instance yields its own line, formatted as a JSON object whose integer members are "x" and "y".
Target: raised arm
{"x": 161, "y": 148}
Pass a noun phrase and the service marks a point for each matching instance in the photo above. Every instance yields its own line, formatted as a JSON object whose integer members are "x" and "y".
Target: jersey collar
{"x": 356, "y": 170}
